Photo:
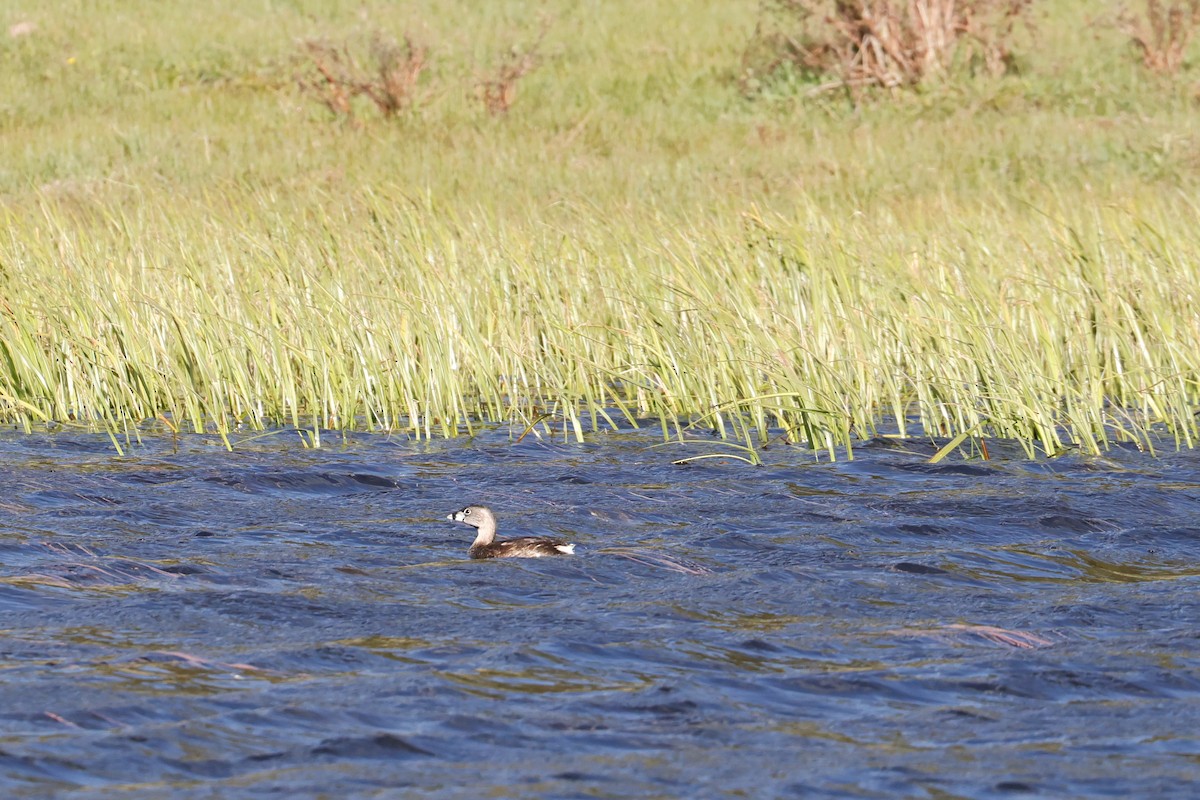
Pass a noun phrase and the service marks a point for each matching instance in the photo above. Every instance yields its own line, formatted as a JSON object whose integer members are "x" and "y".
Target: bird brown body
{"x": 485, "y": 545}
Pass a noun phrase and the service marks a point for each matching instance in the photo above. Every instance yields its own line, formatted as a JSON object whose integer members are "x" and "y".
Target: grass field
{"x": 192, "y": 243}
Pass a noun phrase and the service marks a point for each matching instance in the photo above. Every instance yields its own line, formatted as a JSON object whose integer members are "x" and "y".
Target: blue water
{"x": 278, "y": 621}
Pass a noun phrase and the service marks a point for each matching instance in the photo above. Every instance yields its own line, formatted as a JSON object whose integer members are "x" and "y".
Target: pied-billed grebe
{"x": 485, "y": 545}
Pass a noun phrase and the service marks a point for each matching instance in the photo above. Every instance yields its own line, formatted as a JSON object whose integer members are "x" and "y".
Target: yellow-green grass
{"x": 189, "y": 239}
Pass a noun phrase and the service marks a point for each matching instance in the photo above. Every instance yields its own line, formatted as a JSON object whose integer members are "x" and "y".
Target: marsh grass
{"x": 189, "y": 244}
{"x": 1074, "y": 332}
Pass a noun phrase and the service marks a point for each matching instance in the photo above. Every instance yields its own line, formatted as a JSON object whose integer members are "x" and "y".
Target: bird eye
{"x": 466, "y": 512}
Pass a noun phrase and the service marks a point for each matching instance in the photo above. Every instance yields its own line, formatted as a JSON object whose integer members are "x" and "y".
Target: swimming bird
{"x": 484, "y": 546}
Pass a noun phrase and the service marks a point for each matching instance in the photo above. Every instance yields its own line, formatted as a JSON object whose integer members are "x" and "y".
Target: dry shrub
{"x": 1163, "y": 32}
{"x": 498, "y": 90}
{"x": 334, "y": 77}
{"x": 887, "y": 43}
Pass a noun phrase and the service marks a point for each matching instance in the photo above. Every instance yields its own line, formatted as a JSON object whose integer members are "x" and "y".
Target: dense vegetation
{"x": 630, "y": 225}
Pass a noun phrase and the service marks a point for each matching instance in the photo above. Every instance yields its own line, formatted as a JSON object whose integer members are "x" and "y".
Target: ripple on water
{"x": 192, "y": 622}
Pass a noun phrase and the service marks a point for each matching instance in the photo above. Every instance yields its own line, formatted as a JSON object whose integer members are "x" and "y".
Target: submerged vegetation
{"x": 193, "y": 241}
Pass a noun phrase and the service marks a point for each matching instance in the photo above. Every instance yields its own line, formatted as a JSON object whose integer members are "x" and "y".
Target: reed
{"x": 633, "y": 243}
{"x": 1075, "y": 330}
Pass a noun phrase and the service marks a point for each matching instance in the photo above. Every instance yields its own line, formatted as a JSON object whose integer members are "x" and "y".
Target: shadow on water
{"x": 199, "y": 623}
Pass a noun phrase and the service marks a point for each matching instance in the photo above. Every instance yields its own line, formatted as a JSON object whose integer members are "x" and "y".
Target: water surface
{"x": 189, "y": 622}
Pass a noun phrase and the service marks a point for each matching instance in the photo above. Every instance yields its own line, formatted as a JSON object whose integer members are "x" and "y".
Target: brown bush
{"x": 1163, "y": 32}
{"x": 887, "y": 43}
{"x": 334, "y": 77}
{"x": 498, "y": 90}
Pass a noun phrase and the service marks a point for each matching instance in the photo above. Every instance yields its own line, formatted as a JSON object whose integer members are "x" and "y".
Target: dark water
{"x": 295, "y": 623}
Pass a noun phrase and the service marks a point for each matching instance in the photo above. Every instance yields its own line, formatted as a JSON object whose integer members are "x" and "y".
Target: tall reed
{"x": 1076, "y": 328}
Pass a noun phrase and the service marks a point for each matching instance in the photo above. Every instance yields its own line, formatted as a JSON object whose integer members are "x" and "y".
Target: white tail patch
{"x": 569, "y": 549}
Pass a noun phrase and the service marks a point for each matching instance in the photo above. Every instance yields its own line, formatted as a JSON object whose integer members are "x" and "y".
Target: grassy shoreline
{"x": 1012, "y": 257}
